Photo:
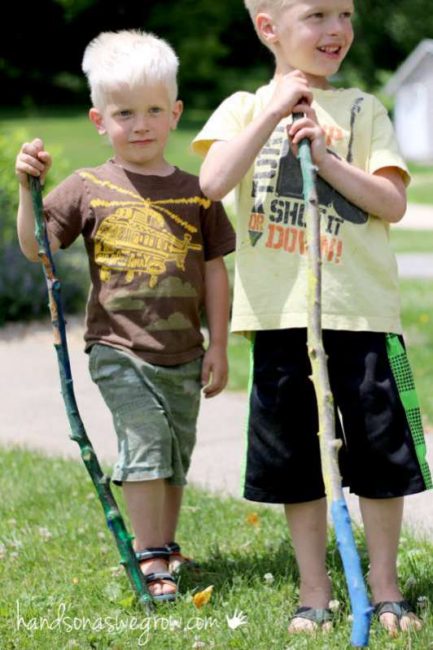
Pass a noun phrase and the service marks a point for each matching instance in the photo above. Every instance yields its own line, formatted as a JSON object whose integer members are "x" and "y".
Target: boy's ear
{"x": 176, "y": 112}
{"x": 266, "y": 27}
{"x": 96, "y": 117}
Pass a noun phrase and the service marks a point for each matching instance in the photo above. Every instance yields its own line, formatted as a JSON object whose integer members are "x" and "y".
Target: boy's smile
{"x": 138, "y": 122}
{"x": 313, "y": 36}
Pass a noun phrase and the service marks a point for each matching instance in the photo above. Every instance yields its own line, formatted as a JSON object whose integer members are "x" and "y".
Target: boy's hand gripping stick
{"x": 101, "y": 482}
{"x": 329, "y": 444}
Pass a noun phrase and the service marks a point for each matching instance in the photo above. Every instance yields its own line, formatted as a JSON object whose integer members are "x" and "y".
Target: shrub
{"x": 23, "y": 295}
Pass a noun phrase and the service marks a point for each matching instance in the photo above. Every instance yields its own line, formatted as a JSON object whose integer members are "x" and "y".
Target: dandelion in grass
{"x": 198, "y": 644}
{"x": 44, "y": 533}
{"x": 237, "y": 620}
{"x": 253, "y": 519}
{"x": 202, "y": 597}
{"x": 75, "y": 580}
{"x": 334, "y": 605}
{"x": 424, "y": 319}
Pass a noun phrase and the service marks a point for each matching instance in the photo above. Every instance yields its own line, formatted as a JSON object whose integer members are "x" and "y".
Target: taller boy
{"x": 250, "y": 142}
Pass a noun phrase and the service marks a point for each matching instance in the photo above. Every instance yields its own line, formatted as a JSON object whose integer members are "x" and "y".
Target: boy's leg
{"x": 308, "y": 528}
{"x": 145, "y": 502}
{"x": 382, "y": 523}
{"x": 171, "y": 510}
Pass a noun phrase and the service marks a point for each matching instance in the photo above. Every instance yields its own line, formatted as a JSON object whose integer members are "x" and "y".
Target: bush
{"x": 23, "y": 294}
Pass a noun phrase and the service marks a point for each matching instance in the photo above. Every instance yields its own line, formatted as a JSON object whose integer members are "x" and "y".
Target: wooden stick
{"x": 101, "y": 482}
{"x": 329, "y": 444}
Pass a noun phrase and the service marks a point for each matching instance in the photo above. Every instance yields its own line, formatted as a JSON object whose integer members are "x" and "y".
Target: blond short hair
{"x": 256, "y": 6}
{"x": 128, "y": 57}
{"x": 273, "y": 6}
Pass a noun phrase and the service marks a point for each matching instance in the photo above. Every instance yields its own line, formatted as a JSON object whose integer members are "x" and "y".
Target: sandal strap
{"x": 152, "y": 553}
{"x": 159, "y": 575}
{"x": 398, "y": 608}
{"x": 173, "y": 548}
{"x": 316, "y": 615}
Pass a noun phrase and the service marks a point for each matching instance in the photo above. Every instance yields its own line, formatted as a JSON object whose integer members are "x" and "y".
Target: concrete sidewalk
{"x": 417, "y": 217}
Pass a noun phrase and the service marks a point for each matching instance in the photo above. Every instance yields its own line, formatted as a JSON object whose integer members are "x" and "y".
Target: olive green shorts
{"x": 154, "y": 411}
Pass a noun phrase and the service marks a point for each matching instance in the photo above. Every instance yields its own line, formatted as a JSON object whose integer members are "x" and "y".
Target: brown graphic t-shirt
{"x": 147, "y": 239}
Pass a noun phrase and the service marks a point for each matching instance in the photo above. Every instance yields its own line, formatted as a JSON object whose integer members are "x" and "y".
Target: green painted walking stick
{"x": 78, "y": 433}
{"x": 329, "y": 444}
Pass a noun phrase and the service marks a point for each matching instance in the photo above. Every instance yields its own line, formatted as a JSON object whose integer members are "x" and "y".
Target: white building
{"x": 412, "y": 86}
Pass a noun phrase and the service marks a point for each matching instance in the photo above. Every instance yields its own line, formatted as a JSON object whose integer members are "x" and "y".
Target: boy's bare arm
{"x": 227, "y": 162}
{"x": 32, "y": 160}
{"x": 382, "y": 194}
{"x": 215, "y": 365}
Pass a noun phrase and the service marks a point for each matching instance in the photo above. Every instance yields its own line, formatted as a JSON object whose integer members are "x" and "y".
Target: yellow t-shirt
{"x": 359, "y": 271}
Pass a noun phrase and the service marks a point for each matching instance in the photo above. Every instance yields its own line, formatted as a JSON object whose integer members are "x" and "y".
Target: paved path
{"x": 32, "y": 411}
{"x": 417, "y": 217}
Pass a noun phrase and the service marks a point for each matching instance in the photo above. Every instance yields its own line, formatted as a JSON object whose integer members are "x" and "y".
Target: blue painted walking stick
{"x": 329, "y": 445}
{"x": 78, "y": 433}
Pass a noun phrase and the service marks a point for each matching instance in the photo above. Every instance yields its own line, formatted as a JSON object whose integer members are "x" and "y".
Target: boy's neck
{"x": 163, "y": 169}
{"x": 315, "y": 82}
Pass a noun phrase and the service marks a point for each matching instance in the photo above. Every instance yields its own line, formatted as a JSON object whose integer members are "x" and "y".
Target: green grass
{"x": 59, "y": 568}
{"x": 412, "y": 241}
{"x": 417, "y": 316}
{"x": 421, "y": 188}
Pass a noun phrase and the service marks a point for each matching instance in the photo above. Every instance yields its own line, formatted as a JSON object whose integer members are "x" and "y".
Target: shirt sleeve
{"x": 218, "y": 234}
{"x": 227, "y": 121}
{"x": 65, "y": 209}
{"x": 384, "y": 151}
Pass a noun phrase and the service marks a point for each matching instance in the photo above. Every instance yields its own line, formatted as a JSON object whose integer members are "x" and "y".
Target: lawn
{"x": 421, "y": 187}
{"x": 62, "y": 586}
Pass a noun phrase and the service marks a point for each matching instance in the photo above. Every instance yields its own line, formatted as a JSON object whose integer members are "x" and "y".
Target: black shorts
{"x": 377, "y": 458}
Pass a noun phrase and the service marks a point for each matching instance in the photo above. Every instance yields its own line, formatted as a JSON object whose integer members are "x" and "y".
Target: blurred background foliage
{"x": 42, "y": 43}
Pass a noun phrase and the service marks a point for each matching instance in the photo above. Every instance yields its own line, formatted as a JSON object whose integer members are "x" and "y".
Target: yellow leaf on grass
{"x": 202, "y": 597}
{"x": 253, "y": 519}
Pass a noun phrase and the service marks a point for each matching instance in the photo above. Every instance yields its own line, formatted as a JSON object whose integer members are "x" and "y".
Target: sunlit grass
{"x": 58, "y": 564}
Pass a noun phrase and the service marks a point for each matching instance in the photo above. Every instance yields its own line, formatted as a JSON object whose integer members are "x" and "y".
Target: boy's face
{"x": 138, "y": 122}
{"x": 313, "y": 36}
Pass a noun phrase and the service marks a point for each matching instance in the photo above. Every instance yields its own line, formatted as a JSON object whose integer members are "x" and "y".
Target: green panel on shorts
{"x": 406, "y": 387}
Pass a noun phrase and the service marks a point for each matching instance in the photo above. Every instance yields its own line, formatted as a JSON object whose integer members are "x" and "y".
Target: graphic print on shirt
{"x": 135, "y": 240}
{"x": 278, "y": 207}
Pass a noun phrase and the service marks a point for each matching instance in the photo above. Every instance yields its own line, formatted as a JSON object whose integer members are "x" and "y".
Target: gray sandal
{"x": 318, "y": 616}
{"x": 157, "y": 577}
{"x": 398, "y": 608}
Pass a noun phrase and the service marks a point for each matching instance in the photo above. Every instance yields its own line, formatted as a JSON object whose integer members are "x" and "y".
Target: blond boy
{"x": 155, "y": 245}
{"x": 250, "y": 144}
